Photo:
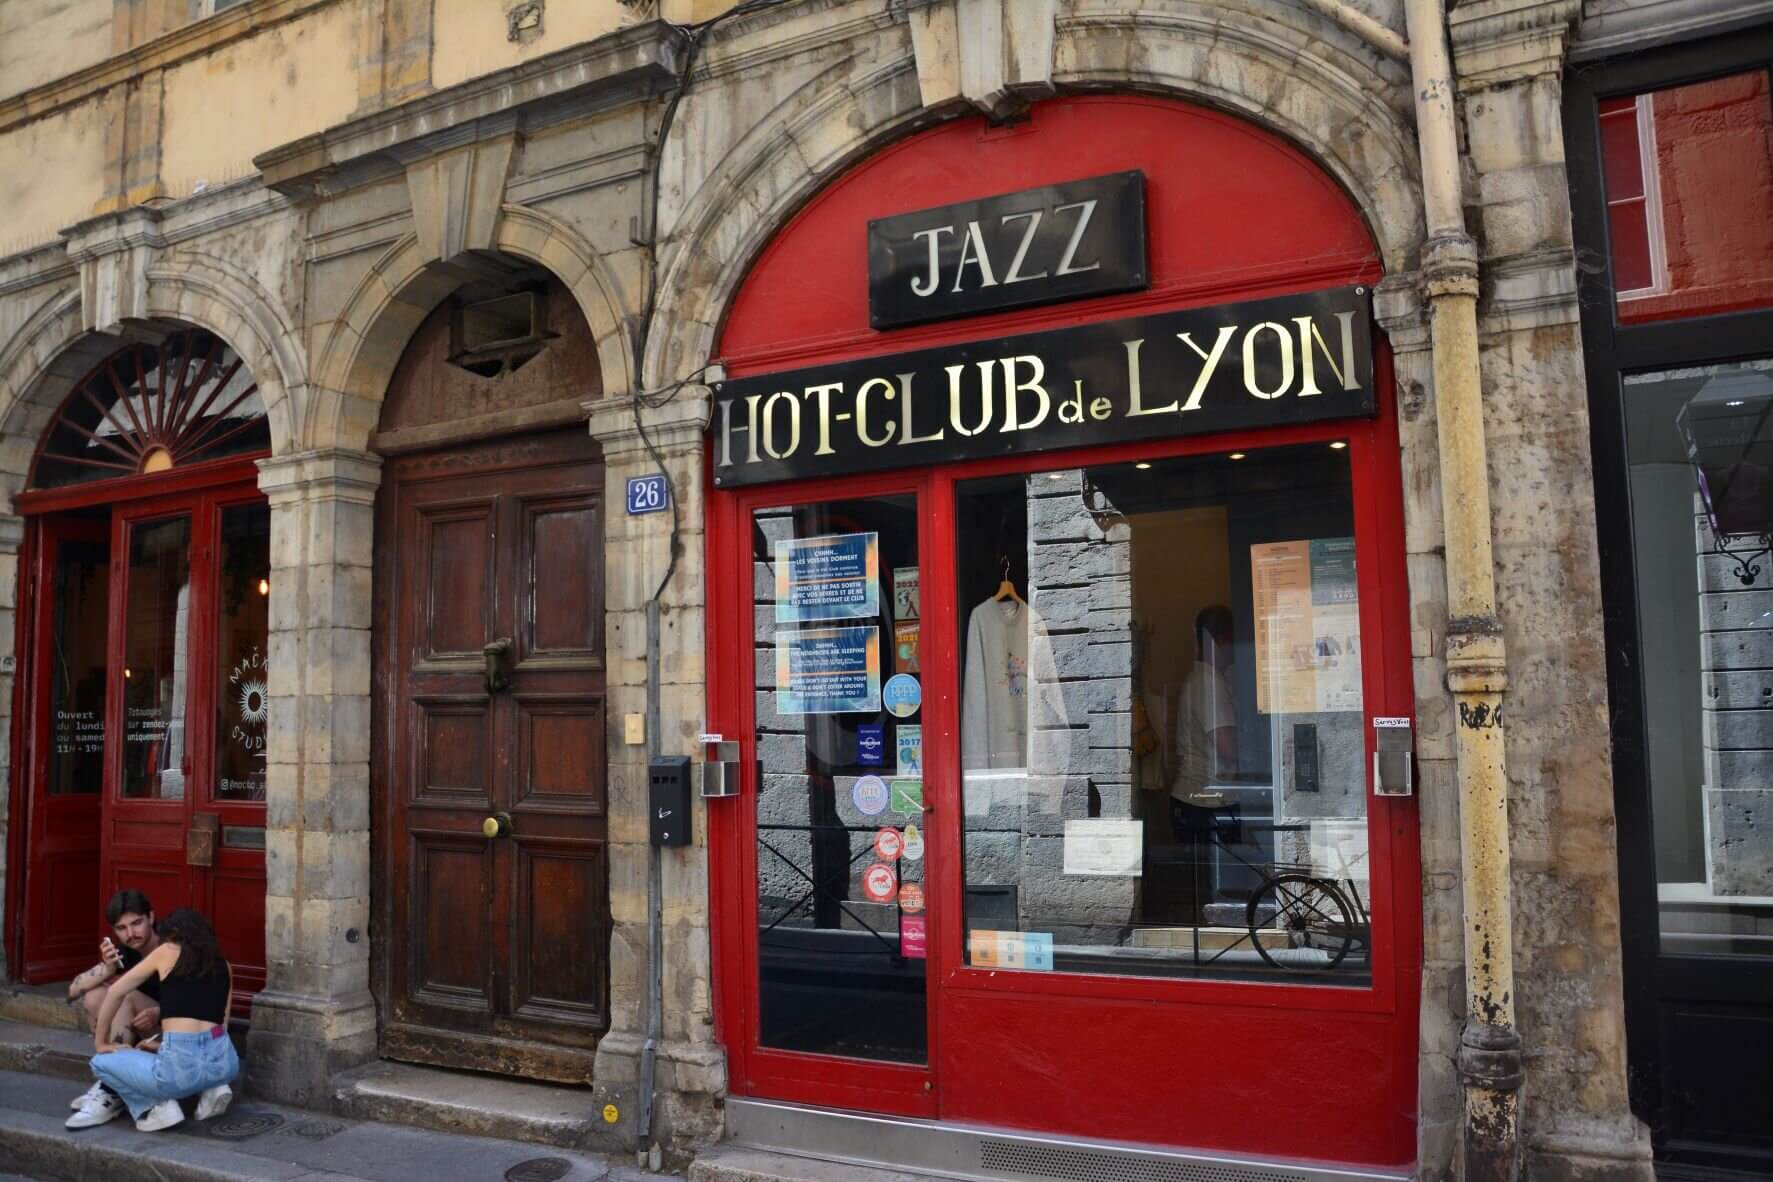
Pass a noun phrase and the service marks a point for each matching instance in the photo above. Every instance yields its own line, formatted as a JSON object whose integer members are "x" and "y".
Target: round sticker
{"x": 888, "y": 845}
{"x": 610, "y": 1114}
{"x": 913, "y": 844}
{"x": 911, "y": 898}
{"x": 902, "y": 695}
{"x": 870, "y": 795}
{"x": 880, "y": 882}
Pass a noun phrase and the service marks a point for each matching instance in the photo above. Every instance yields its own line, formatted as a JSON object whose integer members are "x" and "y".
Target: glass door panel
{"x": 156, "y": 676}
{"x": 840, "y": 850}
{"x": 1162, "y": 727}
{"x": 77, "y": 661}
{"x": 243, "y": 574}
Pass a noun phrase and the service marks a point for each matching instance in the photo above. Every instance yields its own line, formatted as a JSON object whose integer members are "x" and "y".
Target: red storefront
{"x": 1053, "y": 639}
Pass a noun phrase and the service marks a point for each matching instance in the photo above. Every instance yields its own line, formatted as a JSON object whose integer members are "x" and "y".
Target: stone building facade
{"x": 309, "y": 179}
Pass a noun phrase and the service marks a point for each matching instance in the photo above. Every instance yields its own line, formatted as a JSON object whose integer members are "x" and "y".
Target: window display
{"x": 1162, "y": 735}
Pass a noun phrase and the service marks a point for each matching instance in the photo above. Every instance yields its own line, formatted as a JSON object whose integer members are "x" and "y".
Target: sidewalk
{"x": 255, "y": 1141}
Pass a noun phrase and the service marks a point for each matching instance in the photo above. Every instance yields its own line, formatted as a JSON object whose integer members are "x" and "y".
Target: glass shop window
{"x": 1689, "y": 188}
{"x": 1699, "y": 444}
{"x": 242, "y": 633}
{"x": 1162, "y": 734}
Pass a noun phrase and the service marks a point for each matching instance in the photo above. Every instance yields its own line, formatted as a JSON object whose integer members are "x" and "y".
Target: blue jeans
{"x": 184, "y": 1065}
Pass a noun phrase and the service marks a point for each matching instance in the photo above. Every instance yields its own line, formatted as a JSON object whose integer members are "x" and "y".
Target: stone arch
{"x": 208, "y": 292}
{"x": 1276, "y": 71}
{"x": 363, "y": 346}
{"x": 54, "y": 349}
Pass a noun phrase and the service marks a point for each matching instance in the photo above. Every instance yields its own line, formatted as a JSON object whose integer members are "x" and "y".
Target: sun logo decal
{"x": 254, "y": 708}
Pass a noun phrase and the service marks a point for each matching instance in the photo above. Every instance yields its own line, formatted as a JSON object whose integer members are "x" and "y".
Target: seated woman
{"x": 196, "y": 1056}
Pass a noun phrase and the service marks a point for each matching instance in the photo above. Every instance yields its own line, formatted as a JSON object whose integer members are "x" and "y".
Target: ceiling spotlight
{"x": 1142, "y": 465}
{"x": 1338, "y": 445}
{"x": 1236, "y": 455}
{"x": 264, "y": 586}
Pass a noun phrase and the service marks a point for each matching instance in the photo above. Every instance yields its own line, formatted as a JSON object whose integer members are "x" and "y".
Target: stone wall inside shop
{"x": 1080, "y": 695}
{"x": 1736, "y": 660}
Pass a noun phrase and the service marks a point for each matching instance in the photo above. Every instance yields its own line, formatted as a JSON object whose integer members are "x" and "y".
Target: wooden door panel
{"x": 456, "y": 556}
{"x": 452, "y": 752}
{"x": 560, "y": 748}
{"x": 506, "y": 936}
{"x": 451, "y": 959}
{"x": 562, "y": 551}
{"x": 560, "y": 975}
{"x": 65, "y": 913}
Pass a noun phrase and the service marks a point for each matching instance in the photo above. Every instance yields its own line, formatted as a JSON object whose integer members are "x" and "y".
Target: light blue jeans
{"x": 184, "y": 1065}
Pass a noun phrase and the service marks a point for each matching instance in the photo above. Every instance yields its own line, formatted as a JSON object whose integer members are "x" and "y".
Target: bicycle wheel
{"x": 1315, "y": 916}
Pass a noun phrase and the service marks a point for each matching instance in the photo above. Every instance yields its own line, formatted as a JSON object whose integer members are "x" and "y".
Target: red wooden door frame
{"x": 215, "y": 485}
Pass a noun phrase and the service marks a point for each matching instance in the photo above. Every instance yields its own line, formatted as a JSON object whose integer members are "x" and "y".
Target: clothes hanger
{"x": 1007, "y": 589}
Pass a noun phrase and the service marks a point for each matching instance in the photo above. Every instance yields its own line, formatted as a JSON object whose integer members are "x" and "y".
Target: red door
{"x": 184, "y": 815}
{"x": 65, "y": 720}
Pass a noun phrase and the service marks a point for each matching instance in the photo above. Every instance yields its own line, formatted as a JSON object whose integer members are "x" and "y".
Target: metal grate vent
{"x": 1085, "y": 1165}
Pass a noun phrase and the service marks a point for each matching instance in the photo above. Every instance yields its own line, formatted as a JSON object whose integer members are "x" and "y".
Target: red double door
{"x": 144, "y": 717}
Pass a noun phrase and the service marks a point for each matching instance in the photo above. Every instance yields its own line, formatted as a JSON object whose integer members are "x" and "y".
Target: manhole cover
{"x": 539, "y": 1169}
{"x": 239, "y": 1126}
{"x": 315, "y": 1130}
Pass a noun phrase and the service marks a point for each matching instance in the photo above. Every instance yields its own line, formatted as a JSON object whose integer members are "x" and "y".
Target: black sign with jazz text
{"x": 1036, "y": 246}
{"x": 1265, "y": 363}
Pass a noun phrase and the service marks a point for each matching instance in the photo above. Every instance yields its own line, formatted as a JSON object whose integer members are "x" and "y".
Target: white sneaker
{"x": 90, "y": 1094}
{"x": 104, "y": 1107}
{"x": 214, "y": 1101}
{"x": 162, "y": 1116}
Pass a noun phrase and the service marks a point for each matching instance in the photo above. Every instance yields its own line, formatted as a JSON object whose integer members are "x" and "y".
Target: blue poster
{"x": 828, "y": 670}
{"x": 835, "y": 577}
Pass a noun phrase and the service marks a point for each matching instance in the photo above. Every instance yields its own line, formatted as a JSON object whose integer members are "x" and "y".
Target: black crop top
{"x": 203, "y": 996}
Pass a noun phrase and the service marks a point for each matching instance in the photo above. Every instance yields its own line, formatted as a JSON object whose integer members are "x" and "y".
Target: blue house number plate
{"x": 647, "y": 494}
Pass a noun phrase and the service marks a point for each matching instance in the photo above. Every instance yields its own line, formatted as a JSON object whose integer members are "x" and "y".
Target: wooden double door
{"x": 489, "y": 678}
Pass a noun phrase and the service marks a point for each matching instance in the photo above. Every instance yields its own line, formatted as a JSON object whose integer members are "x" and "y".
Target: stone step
{"x": 265, "y": 1143}
{"x": 40, "y": 1005}
{"x": 465, "y": 1102}
{"x": 46, "y": 1050}
{"x": 737, "y": 1163}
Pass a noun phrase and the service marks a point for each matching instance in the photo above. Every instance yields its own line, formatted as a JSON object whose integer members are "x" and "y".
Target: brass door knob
{"x": 497, "y": 825}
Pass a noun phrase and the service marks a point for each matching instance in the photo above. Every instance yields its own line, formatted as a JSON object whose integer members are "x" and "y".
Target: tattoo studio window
{"x": 1161, "y": 719}
{"x": 242, "y": 632}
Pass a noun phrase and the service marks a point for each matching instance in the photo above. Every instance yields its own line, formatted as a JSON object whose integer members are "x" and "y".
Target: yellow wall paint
{"x": 469, "y": 37}
{"x": 228, "y": 106}
{"x": 42, "y": 40}
{"x": 68, "y": 147}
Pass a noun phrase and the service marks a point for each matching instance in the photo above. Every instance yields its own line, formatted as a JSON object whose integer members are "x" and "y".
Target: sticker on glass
{"x": 879, "y": 883}
{"x": 913, "y": 844}
{"x": 902, "y": 695}
{"x": 871, "y": 744}
{"x": 870, "y": 794}
{"x": 914, "y": 941}
{"x": 888, "y": 845}
{"x": 911, "y": 898}
{"x": 907, "y": 797}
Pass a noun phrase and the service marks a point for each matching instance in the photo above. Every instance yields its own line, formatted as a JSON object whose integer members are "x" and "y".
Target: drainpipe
{"x": 1489, "y": 1059}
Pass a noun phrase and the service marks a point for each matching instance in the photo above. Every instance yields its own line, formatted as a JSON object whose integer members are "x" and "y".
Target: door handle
{"x": 497, "y": 825}
{"x": 497, "y": 654}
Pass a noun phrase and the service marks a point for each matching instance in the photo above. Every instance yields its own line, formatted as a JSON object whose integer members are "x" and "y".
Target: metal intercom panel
{"x": 1394, "y": 771}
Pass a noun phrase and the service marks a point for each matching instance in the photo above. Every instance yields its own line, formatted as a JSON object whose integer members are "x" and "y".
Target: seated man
{"x": 132, "y": 937}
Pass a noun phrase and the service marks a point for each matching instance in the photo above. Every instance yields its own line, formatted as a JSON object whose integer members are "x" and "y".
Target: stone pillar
{"x": 691, "y": 1069}
{"x": 316, "y": 1016}
{"x": 12, "y": 533}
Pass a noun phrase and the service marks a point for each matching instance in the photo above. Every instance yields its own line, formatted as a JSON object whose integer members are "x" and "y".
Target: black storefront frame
{"x": 1610, "y": 351}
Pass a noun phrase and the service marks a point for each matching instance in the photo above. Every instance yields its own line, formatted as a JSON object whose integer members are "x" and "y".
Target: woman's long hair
{"x": 198, "y": 954}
